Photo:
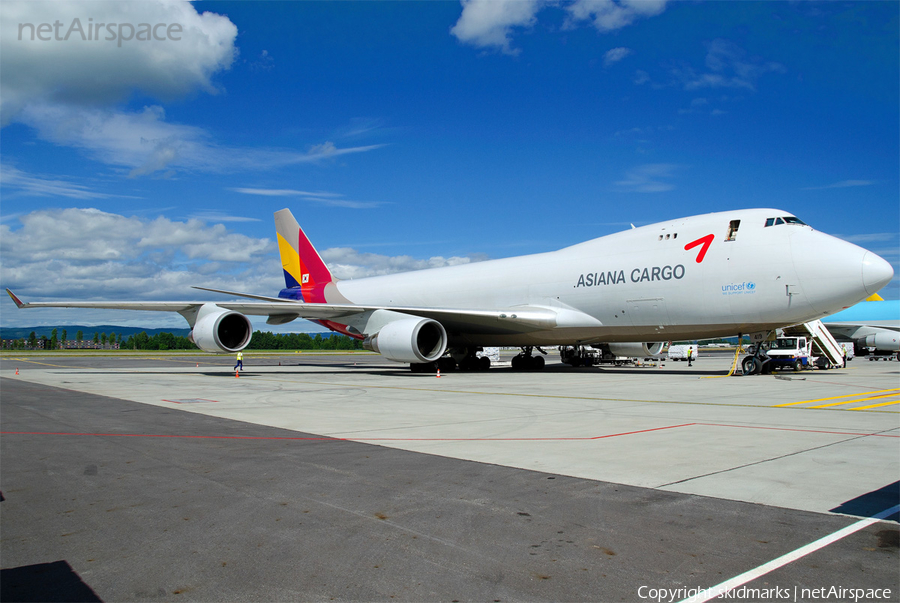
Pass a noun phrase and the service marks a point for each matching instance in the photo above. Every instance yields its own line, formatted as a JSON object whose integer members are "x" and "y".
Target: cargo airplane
{"x": 720, "y": 274}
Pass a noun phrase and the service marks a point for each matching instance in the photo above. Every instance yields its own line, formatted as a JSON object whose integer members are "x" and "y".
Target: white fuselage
{"x": 643, "y": 285}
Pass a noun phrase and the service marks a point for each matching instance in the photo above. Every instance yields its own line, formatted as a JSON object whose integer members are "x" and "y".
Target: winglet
{"x": 873, "y": 297}
{"x": 19, "y": 303}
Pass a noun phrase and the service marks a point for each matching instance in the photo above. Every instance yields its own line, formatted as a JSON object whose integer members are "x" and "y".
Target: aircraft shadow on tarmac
{"x": 403, "y": 372}
{"x": 872, "y": 502}
{"x": 51, "y": 582}
{"x": 406, "y": 373}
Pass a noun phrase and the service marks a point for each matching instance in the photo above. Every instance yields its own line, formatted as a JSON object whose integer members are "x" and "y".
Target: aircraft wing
{"x": 519, "y": 319}
{"x": 855, "y": 330}
{"x": 872, "y": 324}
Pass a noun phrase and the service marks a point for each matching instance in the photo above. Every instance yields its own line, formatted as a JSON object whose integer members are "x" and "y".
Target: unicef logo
{"x": 739, "y": 288}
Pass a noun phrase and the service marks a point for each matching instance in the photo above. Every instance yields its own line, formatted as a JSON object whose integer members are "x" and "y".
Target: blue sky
{"x": 412, "y": 134}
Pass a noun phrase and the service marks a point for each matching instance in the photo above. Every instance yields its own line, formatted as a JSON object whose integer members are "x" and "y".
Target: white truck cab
{"x": 791, "y": 352}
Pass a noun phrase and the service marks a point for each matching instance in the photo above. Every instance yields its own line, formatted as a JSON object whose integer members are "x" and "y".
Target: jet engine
{"x": 636, "y": 350}
{"x": 413, "y": 340}
{"x": 884, "y": 341}
{"x": 218, "y": 330}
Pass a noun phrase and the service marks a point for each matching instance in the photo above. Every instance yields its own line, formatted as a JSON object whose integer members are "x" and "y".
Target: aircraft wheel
{"x": 518, "y": 362}
{"x": 537, "y": 363}
{"x": 446, "y": 364}
{"x": 750, "y": 365}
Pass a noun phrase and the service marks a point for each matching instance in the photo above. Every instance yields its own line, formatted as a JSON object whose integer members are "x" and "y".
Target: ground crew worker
{"x": 844, "y": 350}
{"x": 690, "y": 354}
{"x": 240, "y": 361}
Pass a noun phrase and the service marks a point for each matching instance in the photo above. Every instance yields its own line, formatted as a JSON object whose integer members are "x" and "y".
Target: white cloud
{"x": 44, "y": 186}
{"x": 277, "y": 192}
{"x": 214, "y": 216}
{"x": 66, "y": 89}
{"x": 346, "y": 262}
{"x": 841, "y": 184}
{"x": 144, "y": 143}
{"x": 89, "y": 254}
{"x": 872, "y": 237}
{"x": 92, "y": 72}
{"x": 322, "y": 198}
{"x": 615, "y": 55}
{"x": 727, "y": 67}
{"x": 490, "y": 22}
{"x": 648, "y": 178}
{"x": 609, "y": 15}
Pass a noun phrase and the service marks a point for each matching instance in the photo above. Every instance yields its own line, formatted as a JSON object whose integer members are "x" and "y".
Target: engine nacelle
{"x": 884, "y": 341}
{"x": 218, "y": 330}
{"x": 413, "y": 340}
{"x": 636, "y": 350}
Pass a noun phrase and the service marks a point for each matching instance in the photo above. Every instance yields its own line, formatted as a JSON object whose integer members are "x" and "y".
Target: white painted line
{"x": 720, "y": 589}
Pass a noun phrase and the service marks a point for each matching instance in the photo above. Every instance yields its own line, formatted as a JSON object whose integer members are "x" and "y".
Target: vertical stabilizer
{"x": 302, "y": 264}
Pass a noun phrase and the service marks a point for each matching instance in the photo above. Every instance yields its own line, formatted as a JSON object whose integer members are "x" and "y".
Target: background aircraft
{"x": 872, "y": 325}
{"x": 720, "y": 274}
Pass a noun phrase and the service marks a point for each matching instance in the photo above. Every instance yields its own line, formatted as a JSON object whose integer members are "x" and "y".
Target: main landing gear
{"x": 526, "y": 362}
{"x": 463, "y": 359}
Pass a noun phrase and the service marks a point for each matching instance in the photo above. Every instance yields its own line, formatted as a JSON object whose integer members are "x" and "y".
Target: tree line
{"x": 261, "y": 340}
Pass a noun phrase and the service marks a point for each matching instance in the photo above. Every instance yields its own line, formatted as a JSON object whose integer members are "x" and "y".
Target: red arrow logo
{"x": 705, "y": 241}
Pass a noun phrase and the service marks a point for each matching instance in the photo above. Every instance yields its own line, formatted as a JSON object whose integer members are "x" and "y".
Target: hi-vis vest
{"x": 240, "y": 356}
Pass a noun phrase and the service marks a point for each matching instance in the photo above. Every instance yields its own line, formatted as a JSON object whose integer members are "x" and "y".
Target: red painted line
{"x": 641, "y": 431}
{"x": 326, "y": 439}
{"x": 877, "y": 435}
{"x": 157, "y": 435}
{"x": 331, "y": 439}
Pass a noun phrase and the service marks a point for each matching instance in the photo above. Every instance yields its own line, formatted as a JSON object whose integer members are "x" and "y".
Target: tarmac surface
{"x": 347, "y": 477}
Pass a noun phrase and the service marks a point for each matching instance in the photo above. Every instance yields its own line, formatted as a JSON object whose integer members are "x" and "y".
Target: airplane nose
{"x": 876, "y": 272}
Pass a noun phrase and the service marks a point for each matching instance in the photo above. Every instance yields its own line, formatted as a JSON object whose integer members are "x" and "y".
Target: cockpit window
{"x": 784, "y": 220}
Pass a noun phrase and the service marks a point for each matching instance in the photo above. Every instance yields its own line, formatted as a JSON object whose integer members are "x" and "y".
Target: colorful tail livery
{"x": 305, "y": 274}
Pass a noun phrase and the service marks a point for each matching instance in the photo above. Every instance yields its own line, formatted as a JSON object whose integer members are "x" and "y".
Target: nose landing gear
{"x": 757, "y": 363}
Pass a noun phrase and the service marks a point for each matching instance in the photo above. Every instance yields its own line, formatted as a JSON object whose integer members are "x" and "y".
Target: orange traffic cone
{"x": 439, "y": 374}
{"x": 237, "y": 374}
{"x": 17, "y": 370}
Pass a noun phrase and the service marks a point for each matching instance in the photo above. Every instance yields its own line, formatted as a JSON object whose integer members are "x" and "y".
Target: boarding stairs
{"x": 823, "y": 344}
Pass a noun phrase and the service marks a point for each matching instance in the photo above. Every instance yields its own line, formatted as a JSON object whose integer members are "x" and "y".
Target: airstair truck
{"x": 803, "y": 346}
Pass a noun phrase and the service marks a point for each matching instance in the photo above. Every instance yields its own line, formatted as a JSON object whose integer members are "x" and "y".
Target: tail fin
{"x": 303, "y": 266}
